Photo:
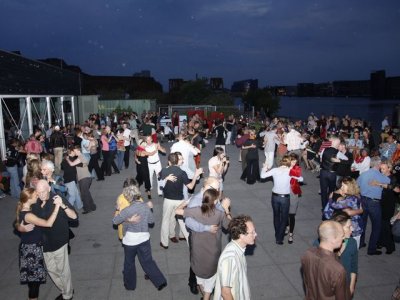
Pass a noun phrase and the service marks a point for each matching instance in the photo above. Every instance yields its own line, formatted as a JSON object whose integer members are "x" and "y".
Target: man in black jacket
{"x": 343, "y": 168}
{"x": 327, "y": 178}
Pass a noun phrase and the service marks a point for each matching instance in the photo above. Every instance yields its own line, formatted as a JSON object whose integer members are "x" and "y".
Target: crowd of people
{"x": 359, "y": 172}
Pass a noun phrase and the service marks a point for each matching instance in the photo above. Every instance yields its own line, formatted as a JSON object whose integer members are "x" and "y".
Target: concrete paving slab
{"x": 97, "y": 256}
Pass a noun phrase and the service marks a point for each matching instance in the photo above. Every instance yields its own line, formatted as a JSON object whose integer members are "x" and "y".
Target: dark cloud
{"x": 278, "y": 42}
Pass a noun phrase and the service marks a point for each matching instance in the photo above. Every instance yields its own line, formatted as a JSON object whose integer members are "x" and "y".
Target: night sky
{"x": 278, "y": 42}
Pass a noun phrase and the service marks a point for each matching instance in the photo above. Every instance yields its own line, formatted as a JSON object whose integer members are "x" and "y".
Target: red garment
{"x": 33, "y": 146}
{"x": 294, "y": 184}
{"x": 154, "y": 137}
{"x": 359, "y": 159}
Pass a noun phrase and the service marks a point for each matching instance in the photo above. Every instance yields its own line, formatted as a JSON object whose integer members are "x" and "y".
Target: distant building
{"x": 175, "y": 84}
{"x": 352, "y": 88}
{"x": 216, "y": 83}
{"x": 392, "y": 90}
{"x": 244, "y": 86}
{"x": 305, "y": 89}
{"x": 53, "y": 76}
{"x": 119, "y": 87}
{"x": 23, "y": 76}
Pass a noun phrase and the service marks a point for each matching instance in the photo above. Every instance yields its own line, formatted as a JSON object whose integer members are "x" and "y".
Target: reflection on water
{"x": 372, "y": 111}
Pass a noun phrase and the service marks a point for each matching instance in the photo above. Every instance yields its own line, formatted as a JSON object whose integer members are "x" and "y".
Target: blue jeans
{"x": 280, "y": 207}
{"x": 74, "y": 198}
{"x": 372, "y": 208}
{"x": 143, "y": 251}
{"x": 120, "y": 159}
{"x": 14, "y": 182}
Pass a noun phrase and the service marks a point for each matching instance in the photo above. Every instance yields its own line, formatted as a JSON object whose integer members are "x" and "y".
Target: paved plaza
{"x": 274, "y": 271}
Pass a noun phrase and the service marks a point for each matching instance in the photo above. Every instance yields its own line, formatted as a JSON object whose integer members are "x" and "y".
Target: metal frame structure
{"x": 29, "y": 101}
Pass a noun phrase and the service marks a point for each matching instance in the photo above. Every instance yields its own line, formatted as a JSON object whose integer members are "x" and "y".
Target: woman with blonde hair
{"x": 32, "y": 269}
{"x": 347, "y": 199}
{"x": 34, "y": 173}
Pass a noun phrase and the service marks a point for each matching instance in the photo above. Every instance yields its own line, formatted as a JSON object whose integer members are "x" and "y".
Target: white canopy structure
{"x": 29, "y": 109}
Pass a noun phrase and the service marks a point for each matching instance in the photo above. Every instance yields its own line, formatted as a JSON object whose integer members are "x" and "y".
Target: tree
{"x": 262, "y": 99}
{"x": 194, "y": 92}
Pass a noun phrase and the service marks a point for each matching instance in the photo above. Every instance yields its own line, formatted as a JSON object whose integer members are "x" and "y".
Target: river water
{"x": 373, "y": 111}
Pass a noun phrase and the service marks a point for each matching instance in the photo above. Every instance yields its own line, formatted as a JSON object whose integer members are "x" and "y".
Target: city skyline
{"x": 274, "y": 42}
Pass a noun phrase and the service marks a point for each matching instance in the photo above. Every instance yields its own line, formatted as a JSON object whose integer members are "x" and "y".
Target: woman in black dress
{"x": 31, "y": 260}
{"x": 252, "y": 170}
{"x": 142, "y": 167}
{"x": 220, "y": 132}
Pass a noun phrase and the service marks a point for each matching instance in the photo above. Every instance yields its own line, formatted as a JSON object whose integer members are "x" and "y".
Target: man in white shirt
{"x": 293, "y": 140}
{"x": 232, "y": 282}
{"x": 187, "y": 150}
{"x": 270, "y": 140}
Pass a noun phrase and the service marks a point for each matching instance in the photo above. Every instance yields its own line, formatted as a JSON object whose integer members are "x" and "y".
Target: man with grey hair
{"x": 55, "y": 238}
{"x": 371, "y": 195}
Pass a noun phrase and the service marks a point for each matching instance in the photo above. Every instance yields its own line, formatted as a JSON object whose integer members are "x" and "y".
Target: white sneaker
{"x": 2, "y": 196}
{"x": 287, "y": 230}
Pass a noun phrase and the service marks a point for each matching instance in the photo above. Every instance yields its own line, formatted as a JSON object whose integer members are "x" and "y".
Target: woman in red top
{"x": 295, "y": 171}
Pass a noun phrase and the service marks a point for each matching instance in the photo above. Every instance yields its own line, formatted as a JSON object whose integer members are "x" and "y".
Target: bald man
{"x": 324, "y": 276}
{"x": 55, "y": 238}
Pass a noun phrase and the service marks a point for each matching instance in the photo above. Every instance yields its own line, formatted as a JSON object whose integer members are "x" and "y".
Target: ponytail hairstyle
{"x": 209, "y": 198}
{"x": 25, "y": 195}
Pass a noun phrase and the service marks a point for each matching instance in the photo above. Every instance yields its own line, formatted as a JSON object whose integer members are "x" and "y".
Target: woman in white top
{"x": 361, "y": 163}
{"x": 280, "y": 199}
{"x": 218, "y": 165}
{"x": 154, "y": 161}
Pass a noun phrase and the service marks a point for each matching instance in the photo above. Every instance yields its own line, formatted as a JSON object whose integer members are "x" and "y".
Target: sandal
{"x": 290, "y": 239}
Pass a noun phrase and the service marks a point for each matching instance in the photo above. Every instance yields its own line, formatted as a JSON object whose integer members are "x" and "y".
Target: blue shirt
{"x": 367, "y": 190}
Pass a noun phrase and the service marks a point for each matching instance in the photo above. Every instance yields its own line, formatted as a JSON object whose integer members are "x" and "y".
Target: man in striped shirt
{"x": 232, "y": 282}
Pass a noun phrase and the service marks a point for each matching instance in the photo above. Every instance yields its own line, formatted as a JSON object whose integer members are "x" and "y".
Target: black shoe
{"x": 100, "y": 179}
{"x": 60, "y": 297}
{"x": 174, "y": 240}
{"x": 279, "y": 242}
{"x": 363, "y": 245}
{"x": 193, "y": 289}
{"x": 162, "y": 246}
{"x": 376, "y": 252}
{"x": 389, "y": 251}
{"x": 85, "y": 212}
{"x": 162, "y": 286}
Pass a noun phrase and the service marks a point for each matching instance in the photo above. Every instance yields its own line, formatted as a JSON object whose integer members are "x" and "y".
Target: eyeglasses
{"x": 252, "y": 232}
